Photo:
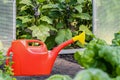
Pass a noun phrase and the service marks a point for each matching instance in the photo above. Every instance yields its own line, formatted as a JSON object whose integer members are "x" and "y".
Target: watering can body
{"x": 34, "y": 60}
{"x": 30, "y": 60}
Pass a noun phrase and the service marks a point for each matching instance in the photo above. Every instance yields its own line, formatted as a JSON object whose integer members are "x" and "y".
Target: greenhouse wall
{"x": 106, "y": 18}
{"x": 7, "y": 21}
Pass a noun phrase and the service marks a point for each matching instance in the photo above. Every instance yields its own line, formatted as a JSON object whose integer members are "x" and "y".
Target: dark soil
{"x": 68, "y": 57}
{"x": 64, "y": 64}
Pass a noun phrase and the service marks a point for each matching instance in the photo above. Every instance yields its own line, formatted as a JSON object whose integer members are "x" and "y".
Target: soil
{"x": 68, "y": 57}
{"x": 64, "y": 64}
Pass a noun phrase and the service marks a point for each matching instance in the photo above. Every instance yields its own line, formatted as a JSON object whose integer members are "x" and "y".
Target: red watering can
{"x": 35, "y": 60}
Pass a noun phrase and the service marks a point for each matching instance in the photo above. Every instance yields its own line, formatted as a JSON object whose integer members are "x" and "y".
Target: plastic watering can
{"x": 35, "y": 60}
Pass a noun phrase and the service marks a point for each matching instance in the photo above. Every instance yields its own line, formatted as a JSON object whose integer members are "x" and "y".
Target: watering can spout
{"x": 80, "y": 38}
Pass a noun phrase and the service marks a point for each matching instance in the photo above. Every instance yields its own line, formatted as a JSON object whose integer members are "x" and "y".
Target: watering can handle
{"x": 8, "y": 55}
{"x": 37, "y": 41}
{"x": 42, "y": 46}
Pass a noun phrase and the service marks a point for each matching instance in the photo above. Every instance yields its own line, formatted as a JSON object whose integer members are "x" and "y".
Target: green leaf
{"x": 85, "y": 16}
{"x": 61, "y": 1}
{"x": 86, "y": 29}
{"x": 59, "y": 25}
{"x": 118, "y": 70}
{"x": 52, "y": 28}
{"x": 50, "y": 42}
{"x": 41, "y": 32}
{"x": 23, "y": 8}
{"x": 48, "y": 6}
{"x": 116, "y": 78}
{"x": 54, "y": 14}
{"x": 41, "y": 1}
{"x": 59, "y": 77}
{"x": 80, "y": 1}
{"x": 26, "y": 2}
{"x": 92, "y": 74}
{"x": 18, "y": 23}
{"x": 4, "y": 76}
{"x": 67, "y": 1}
{"x": 46, "y": 19}
{"x": 82, "y": 16}
{"x": 68, "y": 34}
{"x": 24, "y": 19}
{"x": 83, "y": 75}
{"x": 63, "y": 35}
{"x": 77, "y": 56}
{"x": 79, "y": 8}
{"x": 25, "y": 36}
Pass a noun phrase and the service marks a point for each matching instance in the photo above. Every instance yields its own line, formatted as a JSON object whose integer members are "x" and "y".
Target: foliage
{"x": 116, "y": 40}
{"x": 59, "y": 77}
{"x": 53, "y": 19}
{"x": 5, "y": 70}
{"x": 100, "y": 60}
{"x": 92, "y": 74}
{"x": 100, "y": 55}
{"x": 4, "y": 76}
{"x": 88, "y": 74}
{"x": 89, "y": 58}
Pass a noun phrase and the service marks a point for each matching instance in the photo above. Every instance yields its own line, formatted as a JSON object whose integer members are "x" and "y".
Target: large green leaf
{"x": 23, "y": 8}
{"x": 26, "y": 2}
{"x": 48, "y": 6}
{"x": 67, "y": 1}
{"x": 59, "y": 25}
{"x": 41, "y": 32}
{"x": 18, "y": 23}
{"x": 4, "y": 76}
{"x": 92, "y": 74}
{"x": 63, "y": 35}
{"x": 61, "y": 1}
{"x": 54, "y": 14}
{"x": 59, "y": 77}
{"x": 79, "y": 8}
{"x": 41, "y": 1}
{"x": 46, "y": 19}
{"x": 80, "y": 1}
{"x": 85, "y": 16}
{"x": 24, "y": 19}
{"x": 50, "y": 42}
{"x": 86, "y": 29}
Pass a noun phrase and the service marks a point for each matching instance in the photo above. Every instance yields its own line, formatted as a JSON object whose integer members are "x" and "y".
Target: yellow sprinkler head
{"x": 80, "y": 38}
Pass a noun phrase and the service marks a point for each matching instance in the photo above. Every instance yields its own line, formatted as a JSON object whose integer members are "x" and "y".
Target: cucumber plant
{"x": 53, "y": 21}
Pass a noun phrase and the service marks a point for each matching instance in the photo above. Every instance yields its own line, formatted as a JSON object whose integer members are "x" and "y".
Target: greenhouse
{"x": 59, "y": 40}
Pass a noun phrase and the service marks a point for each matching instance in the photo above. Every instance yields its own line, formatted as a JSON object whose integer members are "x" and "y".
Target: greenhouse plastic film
{"x": 106, "y": 18}
{"x": 7, "y": 21}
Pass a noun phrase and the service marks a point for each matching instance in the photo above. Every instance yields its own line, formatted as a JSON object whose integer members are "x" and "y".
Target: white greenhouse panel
{"x": 106, "y": 18}
{"x": 7, "y": 21}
